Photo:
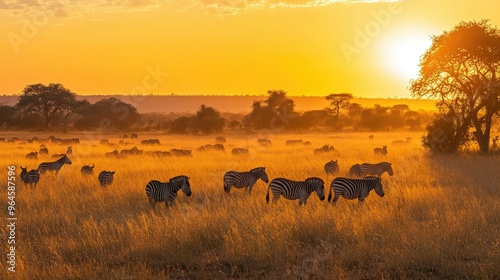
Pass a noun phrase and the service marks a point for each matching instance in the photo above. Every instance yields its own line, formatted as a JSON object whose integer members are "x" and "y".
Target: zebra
{"x": 331, "y": 167}
{"x": 376, "y": 169}
{"x": 355, "y": 188}
{"x": 240, "y": 151}
{"x": 87, "y": 169}
{"x": 32, "y": 155}
{"x": 157, "y": 191}
{"x": 30, "y": 178}
{"x": 54, "y": 165}
{"x": 380, "y": 151}
{"x": 43, "y": 151}
{"x": 244, "y": 179}
{"x": 355, "y": 171}
{"x": 296, "y": 189}
{"x": 106, "y": 178}
{"x": 69, "y": 151}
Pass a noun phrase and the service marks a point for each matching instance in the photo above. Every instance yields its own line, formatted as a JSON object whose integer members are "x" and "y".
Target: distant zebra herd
{"x": 360, "y": 180}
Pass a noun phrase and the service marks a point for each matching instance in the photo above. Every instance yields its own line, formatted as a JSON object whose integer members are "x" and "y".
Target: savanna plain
{"x": 439, "y": 218}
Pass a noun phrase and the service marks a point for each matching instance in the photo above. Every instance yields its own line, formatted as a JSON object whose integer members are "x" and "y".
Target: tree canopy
{"x": 50, "y": 102}
{"x": 461, "y": 70}
{"x": 109, "y": 114}
{"x": 275, "y": 112}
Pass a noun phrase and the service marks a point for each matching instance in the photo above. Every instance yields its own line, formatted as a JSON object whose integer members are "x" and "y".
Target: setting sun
{"x": 402, "y": 55}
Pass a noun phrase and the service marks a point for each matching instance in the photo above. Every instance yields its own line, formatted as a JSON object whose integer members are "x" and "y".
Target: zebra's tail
{"x": 267, "y": 196}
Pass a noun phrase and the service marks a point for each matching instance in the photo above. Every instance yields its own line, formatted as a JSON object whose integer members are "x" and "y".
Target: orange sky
{"x": 306, "y": 47}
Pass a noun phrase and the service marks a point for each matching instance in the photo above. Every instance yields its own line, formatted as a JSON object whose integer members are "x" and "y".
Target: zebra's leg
{"x": 335, "y": 198}
{"x": 276, "y": 196}
{"x": 361, "y": 199}
{"x": 302, "y": 200}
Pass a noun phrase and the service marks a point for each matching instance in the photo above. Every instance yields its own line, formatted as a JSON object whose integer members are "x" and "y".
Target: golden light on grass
{"x": 438, "y": 219}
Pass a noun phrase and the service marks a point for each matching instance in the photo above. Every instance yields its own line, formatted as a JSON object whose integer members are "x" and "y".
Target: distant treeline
{"x": 55, "y": 107}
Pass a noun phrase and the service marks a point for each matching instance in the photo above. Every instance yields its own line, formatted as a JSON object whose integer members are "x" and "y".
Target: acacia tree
{"x": 275, "y": 112}
{"x": 338, "y": 101}
{"x": 208, "y": 120}
{"x": 461, "y": 70}
{"x": 49, "y": 102}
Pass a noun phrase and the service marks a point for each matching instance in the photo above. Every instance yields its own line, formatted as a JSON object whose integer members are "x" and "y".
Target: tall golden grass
{"x": 439, "y": 219}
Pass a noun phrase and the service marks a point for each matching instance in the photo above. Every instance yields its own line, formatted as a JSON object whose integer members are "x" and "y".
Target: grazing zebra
{"x": 294, "y": 142}
{"x": 112, "y": 154}
{"x": 54, "y": 165}
{"x": 380, "y": 151}
{"x": 32, "y": 155}
{"x": 264, "y": 142}
{"x": 376, "y": 169}
{"x": 355, "y": 188}
{"x": 355, "y": 171}
{"x": 220, "y": 140}
{"x": 157, "y": 191}
{"x": 133, "y": 151}
{"x": 324, "y": 149}
{"x": 43, "y": 151}
{"x": 87, "y": 169}
{"x": 209, "y": 147}
{"x": 296, "y": 189}
{"x": 106, "y": 178}
{"x": 332, "y": 168}
{"x": 244, "y": 179}
{"x": 29, "y": 178}
{"x": 240, "y": 151}
{"x": 69, "y": 151}
{"x": 180, "y": 153}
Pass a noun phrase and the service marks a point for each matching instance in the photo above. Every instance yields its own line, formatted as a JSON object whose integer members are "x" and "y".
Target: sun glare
{"x": 402, "y": 55}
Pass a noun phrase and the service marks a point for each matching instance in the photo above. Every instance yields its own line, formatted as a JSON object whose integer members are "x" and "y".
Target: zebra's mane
{"x": 59, "y": 160}
{"x": 258, "y": 169}
{"x": 384, "y": 163}
{"x": 178, "y": 179}
{"x": 373, "y": 178}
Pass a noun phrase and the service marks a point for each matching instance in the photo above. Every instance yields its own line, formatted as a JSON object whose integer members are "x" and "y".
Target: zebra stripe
{"x": 105, "y": 178}
{"x": 376, "y": 169}
{"x": 332, "y": 167}
{"x": 244, "y": 179}
{"x": 157, "y": 191}
{"x": 30, "y": 178}
{"x": 296, "y": 189}
{"x": 355, "y": 188}
{"x": 53, "y": 165}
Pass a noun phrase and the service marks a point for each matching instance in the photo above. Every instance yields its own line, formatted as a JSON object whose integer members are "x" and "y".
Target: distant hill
{"x": 235, "y": 104}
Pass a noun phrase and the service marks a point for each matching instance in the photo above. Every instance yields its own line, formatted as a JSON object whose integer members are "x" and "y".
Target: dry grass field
{"x": 439, "y": 219}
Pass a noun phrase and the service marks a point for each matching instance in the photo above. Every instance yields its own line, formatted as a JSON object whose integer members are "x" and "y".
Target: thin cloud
{"x": 76, "y": 8}
{"x": 73, "y": 8}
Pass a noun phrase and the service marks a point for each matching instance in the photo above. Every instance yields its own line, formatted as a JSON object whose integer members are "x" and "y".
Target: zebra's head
{"x": 184, "y": 180}
{"x": 261, "y": 173}
{"x": 319, "y": 186}
{"x": 378, "y": 186}
{"x": 387, "y": 166}
{"x": 65, "y": 159}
